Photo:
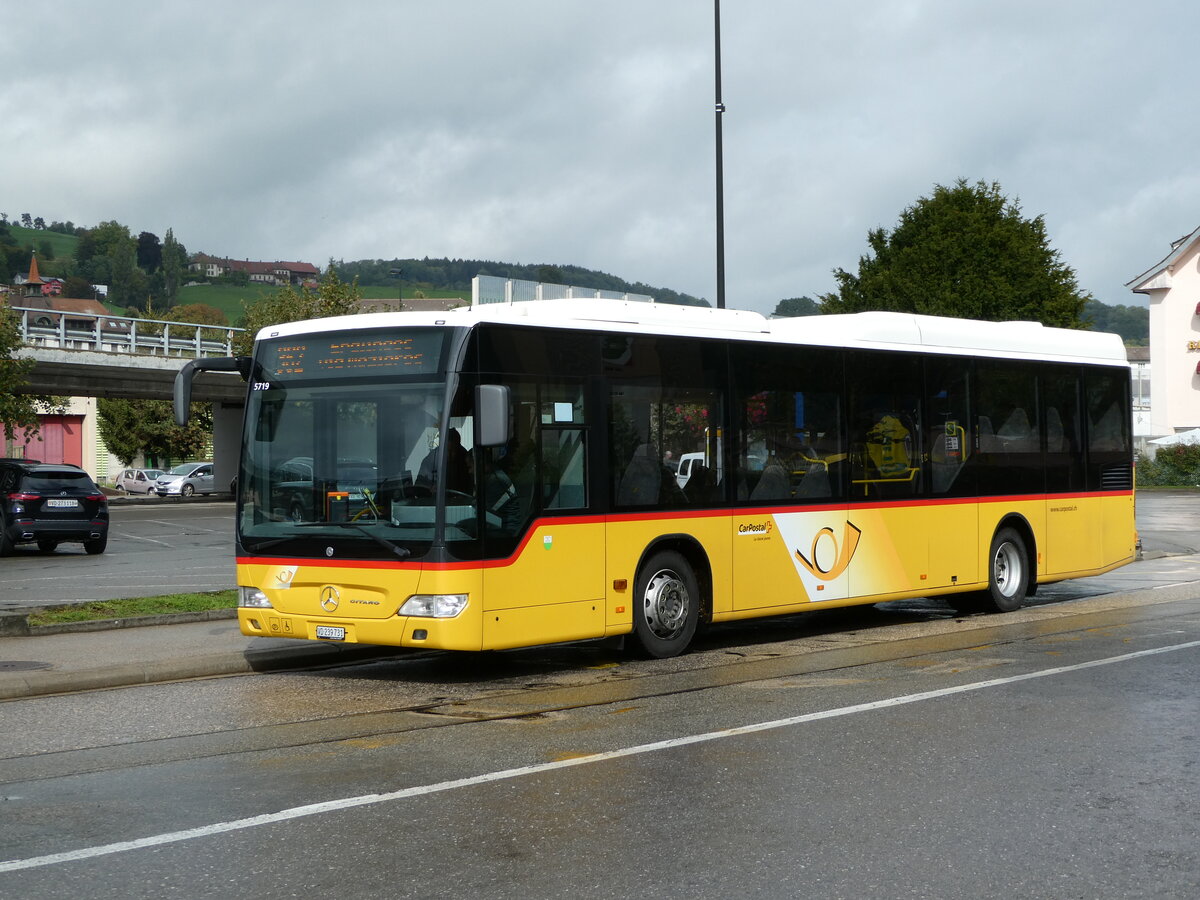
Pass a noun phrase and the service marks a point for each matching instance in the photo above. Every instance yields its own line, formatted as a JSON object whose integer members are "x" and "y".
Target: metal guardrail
{"x": 116, "y": 334}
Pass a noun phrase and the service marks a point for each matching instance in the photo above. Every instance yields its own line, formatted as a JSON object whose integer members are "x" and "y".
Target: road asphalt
{"x": 93, "y": 656}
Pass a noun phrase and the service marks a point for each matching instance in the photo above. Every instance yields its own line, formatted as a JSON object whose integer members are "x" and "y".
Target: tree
{"x": 79, "y": 288}
{"x": 147, "y": 427}
{"x": 149, "y": 252}
{"x": 1132, "y": 323}
{"x": 123, "y": 289}
{"x": 174, "y": 264}
{"x": 964, "y": 251}
{"x": 550, "y": 275}
{"x": 332, "y": 297}
{"x": 27, "y": 220}
{"x": 796, "y": 306}
{"x": 200, "y": 314}
{"x": 18, "y": 412}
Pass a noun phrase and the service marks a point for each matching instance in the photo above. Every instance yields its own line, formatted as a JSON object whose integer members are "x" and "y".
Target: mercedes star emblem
{"x": 330, "y": 598}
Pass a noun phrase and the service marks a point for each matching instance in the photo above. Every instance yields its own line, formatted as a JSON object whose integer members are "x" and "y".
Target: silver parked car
{"x": 185, "y": 480}
{"x": 137, "y": 481}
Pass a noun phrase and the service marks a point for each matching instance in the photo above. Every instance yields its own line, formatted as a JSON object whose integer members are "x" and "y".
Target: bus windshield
{"x": 340, "y": 465}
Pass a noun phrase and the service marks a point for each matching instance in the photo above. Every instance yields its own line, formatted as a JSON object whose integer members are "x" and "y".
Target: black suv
{"x": 48, "y": 504}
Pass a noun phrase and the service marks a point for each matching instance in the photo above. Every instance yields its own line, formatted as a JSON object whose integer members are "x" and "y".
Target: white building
{"x": 1173, "y": 286}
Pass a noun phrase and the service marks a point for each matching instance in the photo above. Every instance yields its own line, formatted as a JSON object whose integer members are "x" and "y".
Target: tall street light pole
{"x": 720, "y": 109}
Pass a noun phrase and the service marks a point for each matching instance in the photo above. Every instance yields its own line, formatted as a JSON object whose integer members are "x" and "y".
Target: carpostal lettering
{"x": 755, "y": 528}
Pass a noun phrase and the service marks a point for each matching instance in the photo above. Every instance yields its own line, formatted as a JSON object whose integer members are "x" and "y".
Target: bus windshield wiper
{"x": 402, "y": 552}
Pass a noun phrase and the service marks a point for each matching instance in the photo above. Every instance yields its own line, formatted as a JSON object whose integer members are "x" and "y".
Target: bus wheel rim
{"x": 1006, "y": 568}
{"x": 665, "y": 604}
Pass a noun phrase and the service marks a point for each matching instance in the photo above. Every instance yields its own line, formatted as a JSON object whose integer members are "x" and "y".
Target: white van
{"x": 686, "y": 462}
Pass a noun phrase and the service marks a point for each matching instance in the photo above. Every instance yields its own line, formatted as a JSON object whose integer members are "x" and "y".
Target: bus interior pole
{"x": 720, "y": 108}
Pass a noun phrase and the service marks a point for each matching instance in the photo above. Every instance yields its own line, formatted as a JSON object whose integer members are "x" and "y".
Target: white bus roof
{"x": 867, "y": 330}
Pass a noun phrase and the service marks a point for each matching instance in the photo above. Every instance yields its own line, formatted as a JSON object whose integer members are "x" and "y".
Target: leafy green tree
{"x": 147, "y": 427}
{"x": 1132, "y": 323}
{"x": 174, "y": 264}
{"x": 18, "y": 411}
{"x": 796, "y": 306}
{"x": 964, "y": 251}
{"x": 202, "y": 314}
{"x": 77, "y": 287}
{"x": 332, "y": 297}
{"x": 149, "y": 252}
{"x": 125, "y": 287}
{"x": 10, "y": 253}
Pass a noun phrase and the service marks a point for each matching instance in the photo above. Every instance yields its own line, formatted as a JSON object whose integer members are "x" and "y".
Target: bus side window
{"x": 564, "y": 462}
{"x": 886, "y": 451}
{"x": 948, "y": 418}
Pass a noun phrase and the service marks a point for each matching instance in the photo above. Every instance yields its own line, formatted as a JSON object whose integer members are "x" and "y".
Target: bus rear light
{"x": 252, "y": 598}
{"x": 434, "y": 606}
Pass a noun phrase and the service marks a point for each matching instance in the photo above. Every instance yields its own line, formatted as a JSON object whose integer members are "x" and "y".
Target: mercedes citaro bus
{"x": 501, "y": 475}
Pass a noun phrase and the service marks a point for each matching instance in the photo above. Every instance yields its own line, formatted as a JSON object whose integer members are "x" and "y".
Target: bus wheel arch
{"x": 672, "y": 596}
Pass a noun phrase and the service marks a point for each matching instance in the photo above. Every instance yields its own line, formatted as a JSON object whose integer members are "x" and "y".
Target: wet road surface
{"x": 1046, "y": 757}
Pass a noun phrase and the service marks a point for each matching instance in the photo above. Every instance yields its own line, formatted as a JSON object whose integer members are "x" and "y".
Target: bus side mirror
{"x": 491, "y": 415}
{"x": 182, "y": 395}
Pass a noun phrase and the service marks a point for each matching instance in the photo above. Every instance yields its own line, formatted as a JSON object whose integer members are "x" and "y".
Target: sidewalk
{"x": 77, "y": 659}
{"x": 88, "y": 660}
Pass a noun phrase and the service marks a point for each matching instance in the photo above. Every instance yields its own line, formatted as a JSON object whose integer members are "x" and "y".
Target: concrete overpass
{"x": 92, "y": 373}
{"x": 134, "y": 359}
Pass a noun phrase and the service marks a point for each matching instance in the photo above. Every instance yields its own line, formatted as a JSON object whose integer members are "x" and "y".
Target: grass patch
{"x": 63, "y": 246}
{"x": 136, "y": 606}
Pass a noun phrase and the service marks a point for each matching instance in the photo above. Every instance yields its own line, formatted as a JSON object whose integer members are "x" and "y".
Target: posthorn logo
{"x": 828, "y": 557}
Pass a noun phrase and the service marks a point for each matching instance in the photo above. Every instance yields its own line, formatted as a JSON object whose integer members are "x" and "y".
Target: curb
{"x": 16, "y": 624}
{"x": 39, "y": 683}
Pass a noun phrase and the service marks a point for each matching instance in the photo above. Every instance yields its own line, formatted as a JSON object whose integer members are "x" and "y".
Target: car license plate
{"x": 63, "y": 504}
{"x": 331, "y": 632}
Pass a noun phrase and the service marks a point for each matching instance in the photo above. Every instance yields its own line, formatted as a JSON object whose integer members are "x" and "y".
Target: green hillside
{"x": 63, "y": 246}
{"x": 229, "y": 298}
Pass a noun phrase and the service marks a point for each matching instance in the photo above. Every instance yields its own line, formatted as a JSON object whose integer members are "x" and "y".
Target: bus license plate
{"x": 331, "y": 632}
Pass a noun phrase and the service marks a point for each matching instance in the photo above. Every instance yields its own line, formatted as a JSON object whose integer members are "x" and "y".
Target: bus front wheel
{"x": 667, "y": 605}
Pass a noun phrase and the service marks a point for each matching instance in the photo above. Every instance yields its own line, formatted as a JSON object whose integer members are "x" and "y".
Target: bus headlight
{"x": 253, "y": 598}
{"x": 434, "y": 606}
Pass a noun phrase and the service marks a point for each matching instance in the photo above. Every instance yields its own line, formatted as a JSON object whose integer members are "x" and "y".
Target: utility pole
{"x": 720, "y": 109}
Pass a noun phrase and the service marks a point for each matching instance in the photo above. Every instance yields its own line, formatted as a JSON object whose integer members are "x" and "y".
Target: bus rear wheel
{"x": 666, "y": 605}
{"x": 1008, "y": 571}
{"x": 1008, "y": 577}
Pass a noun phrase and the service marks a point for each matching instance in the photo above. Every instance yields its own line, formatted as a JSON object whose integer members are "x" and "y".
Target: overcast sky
{"x": 570, "y": 132}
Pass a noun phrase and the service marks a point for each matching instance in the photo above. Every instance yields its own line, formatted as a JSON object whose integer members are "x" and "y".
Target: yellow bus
{"x": 506, "y": 475}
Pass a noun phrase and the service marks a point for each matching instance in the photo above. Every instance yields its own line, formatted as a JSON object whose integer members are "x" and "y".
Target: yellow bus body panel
{"x": 574, "y": 579}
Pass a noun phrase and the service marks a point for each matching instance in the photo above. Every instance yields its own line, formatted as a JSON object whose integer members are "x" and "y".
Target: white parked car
{"x": 137, "y": 481}
{"x": 185, "y": 480}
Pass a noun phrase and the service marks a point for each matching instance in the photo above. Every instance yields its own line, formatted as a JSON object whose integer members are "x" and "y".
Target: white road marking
{"x": 329, "y": 806}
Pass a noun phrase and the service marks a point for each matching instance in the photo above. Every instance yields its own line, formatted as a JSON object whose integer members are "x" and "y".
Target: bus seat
{"x": 988, "y": 442}
{"x": 642, "y": 479}
{"x": 815, "y": 482}
{"x": 1056, "y": 441}
{"x": 701, "y": 485}
{"x": 773, "y": 485}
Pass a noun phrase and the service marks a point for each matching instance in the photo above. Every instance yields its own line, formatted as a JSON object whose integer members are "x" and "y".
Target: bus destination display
{"x": 320, "y": 356}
